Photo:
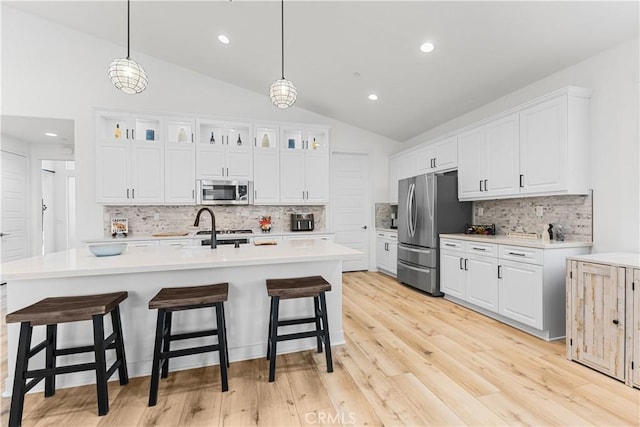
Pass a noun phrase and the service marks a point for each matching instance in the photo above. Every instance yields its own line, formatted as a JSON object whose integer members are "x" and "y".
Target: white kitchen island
{"x": 144, "y": 271}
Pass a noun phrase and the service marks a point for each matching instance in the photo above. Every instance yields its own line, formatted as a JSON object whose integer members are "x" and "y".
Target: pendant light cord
{"x": 282, "y": 23}
{"x": 128, "y": 35}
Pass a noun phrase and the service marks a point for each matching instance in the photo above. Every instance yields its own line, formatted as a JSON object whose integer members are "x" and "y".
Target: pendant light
{"x": 125, "y": 73}
{"x": 282, "y": 92}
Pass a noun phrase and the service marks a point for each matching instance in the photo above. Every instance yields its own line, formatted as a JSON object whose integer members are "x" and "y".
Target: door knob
{"x": 364, "y": 227}
{"x": 4, "y": 234}
{"x": 615, "y": 322}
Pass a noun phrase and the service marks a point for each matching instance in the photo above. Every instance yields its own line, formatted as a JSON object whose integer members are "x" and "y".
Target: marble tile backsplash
{"x": 180, "y": 218}
{"x": 573, "y": 214}
{"x": 383, "y": 214}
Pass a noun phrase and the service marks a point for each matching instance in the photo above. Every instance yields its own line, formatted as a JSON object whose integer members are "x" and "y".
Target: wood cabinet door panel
{"x": 635, "y": 325}
{"x": 598, "y": 318}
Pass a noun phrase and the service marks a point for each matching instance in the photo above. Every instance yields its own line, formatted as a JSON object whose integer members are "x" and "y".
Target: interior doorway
{"x": 350, "y": 206}
{"x": 14, "y": 232}
{"x": 57, "y": 205}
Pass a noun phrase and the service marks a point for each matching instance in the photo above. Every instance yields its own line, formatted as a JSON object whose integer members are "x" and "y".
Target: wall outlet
{"x": 480, "y": 211}
{"x": 539, "y": 210}
{"x": 156, "y": 216}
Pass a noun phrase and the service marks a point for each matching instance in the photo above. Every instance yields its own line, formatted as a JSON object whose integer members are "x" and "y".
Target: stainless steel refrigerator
{"x": 427, "y": 206}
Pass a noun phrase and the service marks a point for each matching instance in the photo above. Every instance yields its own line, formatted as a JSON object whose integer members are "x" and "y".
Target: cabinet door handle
{"x": 435, "y": 162}
{"x": 127, "y": 133}
{"x": 479, "y": 249}
{"x": 485, "y": 184}
{"x": 227, "y": 171}
{"x": 461, "y": 268}
{"x": 133, "y": 134}
{"x": 449, "y": 244}
{"x": 480, "y": 185}
{"x": 133, "y": 193}
{"x": 516, "y": 253}
{"x": 255, "y": 194}
{"x": 615, "y": 321}
{"x": 193, "y": 194}
{"x": 222, "y": 172}
{"x": 521, "y": 181}
{"x": 127, "y": 193}
{"x": 499, "y": 272}
{"x": 466, "y": 268}
{"x": 192, "y": 138}
{"x": 302, "y": 194}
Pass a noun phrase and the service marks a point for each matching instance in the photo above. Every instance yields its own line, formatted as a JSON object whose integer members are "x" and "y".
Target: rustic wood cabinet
{"x": 603, "y": 314}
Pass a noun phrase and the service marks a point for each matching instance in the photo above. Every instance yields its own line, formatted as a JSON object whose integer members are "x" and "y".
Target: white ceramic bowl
{"x": 107, "y": 249}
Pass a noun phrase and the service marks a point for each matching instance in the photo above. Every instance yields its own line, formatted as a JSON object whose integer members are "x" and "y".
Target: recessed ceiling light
{"x": 223, "y": 39}
{"x": 51, "y": 134}
{"x": 427, "y": 47}
{"x": 373, "y": 97}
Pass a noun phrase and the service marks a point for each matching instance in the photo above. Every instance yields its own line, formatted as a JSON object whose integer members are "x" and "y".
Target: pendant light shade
{"x": 125, "y": 73}
{"x": 128, "y": 76}
{"x": 282, "y": 92}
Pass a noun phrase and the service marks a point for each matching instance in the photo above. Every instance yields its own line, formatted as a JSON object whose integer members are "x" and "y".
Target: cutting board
{"x": 265, "y": 242}
{"x": 170, "y": 234}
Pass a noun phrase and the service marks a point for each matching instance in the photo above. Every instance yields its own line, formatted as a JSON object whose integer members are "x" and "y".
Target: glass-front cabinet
{"x": 130, "y": 153}
{"x": 224, "y": 150}
{"x": 312, "y": 139}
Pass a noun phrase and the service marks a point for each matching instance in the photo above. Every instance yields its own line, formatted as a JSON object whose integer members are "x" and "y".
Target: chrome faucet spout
{"x": 214, "y": 243}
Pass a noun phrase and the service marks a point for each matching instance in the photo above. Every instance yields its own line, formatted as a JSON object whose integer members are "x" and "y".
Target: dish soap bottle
{"x": 212, "y": 140}
{"x": 118, "y": 132}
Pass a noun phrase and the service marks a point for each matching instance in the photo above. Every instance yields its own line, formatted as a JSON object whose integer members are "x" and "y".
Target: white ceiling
{"x": 33, "y": 129}
{"x": 484, "y": 50}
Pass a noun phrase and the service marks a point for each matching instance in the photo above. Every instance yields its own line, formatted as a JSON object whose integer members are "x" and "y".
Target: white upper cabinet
{"x": 180, "y": 161}
{"x": 438, "y": 157}
{"x": 400, "y": 167}
{"x": 266, "y": 165}
{"x": 488, "y": 160}
{"x": 540, "y": 148}
{"x": 224, "y": 150}
{"x": 129, "y": 159}
{"x": 304, "y": 166}
{"x": 554, "y": 146}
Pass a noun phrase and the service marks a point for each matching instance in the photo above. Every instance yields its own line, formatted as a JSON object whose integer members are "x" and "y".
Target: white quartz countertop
{"x": 136, "y": 237}
{"x": 504, "y": 240}
{"x": 619, "y": 259}
{"x": 81, "y": 262}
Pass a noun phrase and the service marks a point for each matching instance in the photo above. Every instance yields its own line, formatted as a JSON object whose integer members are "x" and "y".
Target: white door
{"x": 350, "y": 208}
{"x": 47, "y": 209}
{"x": 14, "y": 207}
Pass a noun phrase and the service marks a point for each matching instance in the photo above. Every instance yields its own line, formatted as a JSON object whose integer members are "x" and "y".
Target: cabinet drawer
{"x": 487, "y": 249}
{"x": 452, "y": 245}
{"x": 389, "y": 235}
{"x": 521, "y": 254}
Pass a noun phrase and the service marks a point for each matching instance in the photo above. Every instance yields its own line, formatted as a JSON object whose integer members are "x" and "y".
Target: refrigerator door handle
{"x": 410, "y": 267}
{"x": 414, "y": 211}
{"x": 408, "y": 218}
{"x": 410, "y": 208}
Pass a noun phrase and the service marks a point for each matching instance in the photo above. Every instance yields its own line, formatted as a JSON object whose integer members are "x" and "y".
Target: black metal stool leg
{"x": 166, "y": 342}
{"x": 50, "y": 360}
{"x": 123, "y": 374}
{"x": 222, "y": 345}
{"x": 224, "y": 326}
{"x": 317, "y": 312}
{"x": 273, "y": 338}
{"x": 155, "y": 369}
{"x": 101, "y": 367}
{"x": 19, "y": 380}
{"x": 269, "y": 332}
{"x": 325, "y": 328}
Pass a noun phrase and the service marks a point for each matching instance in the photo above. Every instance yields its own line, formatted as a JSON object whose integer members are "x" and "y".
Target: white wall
{"x": 52, "y": 71}
{"x": 615, "y": 178}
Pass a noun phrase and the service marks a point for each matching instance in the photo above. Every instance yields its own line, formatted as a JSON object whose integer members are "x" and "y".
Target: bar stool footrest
{"x": 298, "y": 335}
{"x": 189, "y": 351}
{"x": 296, "y": 321}
{"x": 190, "y": 335}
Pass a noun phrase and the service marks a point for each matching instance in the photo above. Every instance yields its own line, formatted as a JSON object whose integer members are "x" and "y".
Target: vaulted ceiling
{"x": 338, "y": 52}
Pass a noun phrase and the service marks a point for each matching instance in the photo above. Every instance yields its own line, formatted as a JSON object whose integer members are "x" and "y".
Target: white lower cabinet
{"x": 387, "y": 251}
{"x": 520, "y": 292}
{"x": 518, "y": 285}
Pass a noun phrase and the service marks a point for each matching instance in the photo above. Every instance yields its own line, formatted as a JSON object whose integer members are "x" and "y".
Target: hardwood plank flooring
{"x": 409, "y": 359}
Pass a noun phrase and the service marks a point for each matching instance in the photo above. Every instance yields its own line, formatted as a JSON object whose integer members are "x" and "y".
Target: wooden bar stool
{"x": 169, "y": 300}
{"x": 301, "y": 287}
{"x": 51, "y": 312}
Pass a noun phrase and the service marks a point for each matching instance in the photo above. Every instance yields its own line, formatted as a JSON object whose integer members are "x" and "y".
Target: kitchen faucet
{"x": 214, "y": 243}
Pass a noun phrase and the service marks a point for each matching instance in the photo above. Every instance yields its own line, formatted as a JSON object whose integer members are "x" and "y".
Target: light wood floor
{"x": 408, "y": 360}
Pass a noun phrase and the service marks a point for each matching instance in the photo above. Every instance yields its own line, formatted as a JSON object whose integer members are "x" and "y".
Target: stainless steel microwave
{"x": 224, "y": 192}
